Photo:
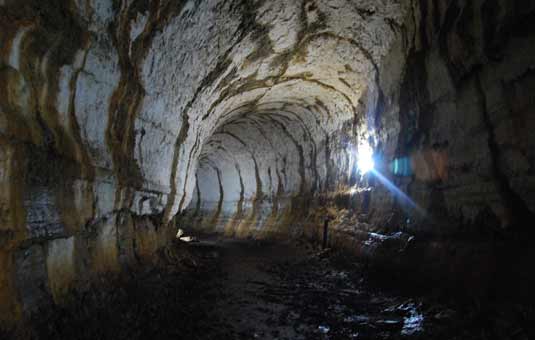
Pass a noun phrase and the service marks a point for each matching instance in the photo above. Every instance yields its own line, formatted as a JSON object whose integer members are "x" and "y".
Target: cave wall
{"x": 275, "y": 158}
{"x": 246, "y": 118}
{"x": 450, "y": 115}
{"x": 465, "y": 95}
{"x": 452, "y": 90}
{"x": 75, "y": 202}
{"x": 455, "y": 134}
{"x": 106, "y": 108}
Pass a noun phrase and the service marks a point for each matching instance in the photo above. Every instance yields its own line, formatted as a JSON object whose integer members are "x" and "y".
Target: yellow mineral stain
{"x": 105, "y": 258}
{"x": 60, "y": 266}
{"x": 148, "y": 238}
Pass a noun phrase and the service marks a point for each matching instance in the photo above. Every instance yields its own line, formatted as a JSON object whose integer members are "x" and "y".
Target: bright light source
{"x": 365, "y": 161}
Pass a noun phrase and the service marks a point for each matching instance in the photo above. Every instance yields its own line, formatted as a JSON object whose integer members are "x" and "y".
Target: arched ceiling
{"x": 138, "y": 92}
{"x": 302, "y": 72}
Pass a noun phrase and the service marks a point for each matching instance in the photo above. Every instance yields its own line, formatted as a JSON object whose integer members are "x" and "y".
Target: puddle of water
{"x": 388, "y": 322}
{"x": 324, "y": 329}
{"x": 357, "y": 318}
{"x": 414, "y": 323}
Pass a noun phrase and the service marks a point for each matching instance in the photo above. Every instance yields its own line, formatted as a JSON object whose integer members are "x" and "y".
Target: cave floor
{"x": 229, "y": 289}
{"x": 276, "y": 291}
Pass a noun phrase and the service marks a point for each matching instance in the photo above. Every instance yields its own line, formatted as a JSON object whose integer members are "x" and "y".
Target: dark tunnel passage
{"x": 255, "y": 163}
{"x": 242, "y": 169}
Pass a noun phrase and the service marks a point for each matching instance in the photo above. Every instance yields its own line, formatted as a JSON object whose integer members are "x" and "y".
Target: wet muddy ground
{"x": 225, "y": 289}
{"x": 274, "y": 291}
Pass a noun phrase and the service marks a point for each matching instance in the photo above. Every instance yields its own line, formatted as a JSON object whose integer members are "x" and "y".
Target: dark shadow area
{"x": 229, "y": 289}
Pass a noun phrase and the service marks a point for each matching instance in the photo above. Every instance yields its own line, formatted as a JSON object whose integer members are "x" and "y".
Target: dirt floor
{"x": 227, "y": 289}
{"x": 275, "y": 291}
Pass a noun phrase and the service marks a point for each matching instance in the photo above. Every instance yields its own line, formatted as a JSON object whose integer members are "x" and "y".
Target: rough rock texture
{"x": 117, "y": 115}
{"x": 293, "y": 112}
{"x": 461, "y": 114}
{"x": 465, "y": 95}
{"x": 451, "y": 97}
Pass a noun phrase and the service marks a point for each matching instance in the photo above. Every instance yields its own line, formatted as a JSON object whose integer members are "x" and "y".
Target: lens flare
{"x": 404, "y": 198}
{"x": 366, "y": 164}
{"x": 365, "y": 161}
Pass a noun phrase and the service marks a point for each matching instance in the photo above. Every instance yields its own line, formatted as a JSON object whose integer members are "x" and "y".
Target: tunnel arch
{"x": 117, "y": 116}
{"x": 320, "y": 72}
{"x": 122, "y": 121}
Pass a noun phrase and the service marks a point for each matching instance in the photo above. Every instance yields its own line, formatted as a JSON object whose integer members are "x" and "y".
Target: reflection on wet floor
{"x": 275, "y": 292}
{"x": 225, "y": 289}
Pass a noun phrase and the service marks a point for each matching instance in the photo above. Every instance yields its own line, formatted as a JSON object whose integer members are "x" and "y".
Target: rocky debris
{"x": 188, "y": 239}
{"x": 180, "y": 236}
